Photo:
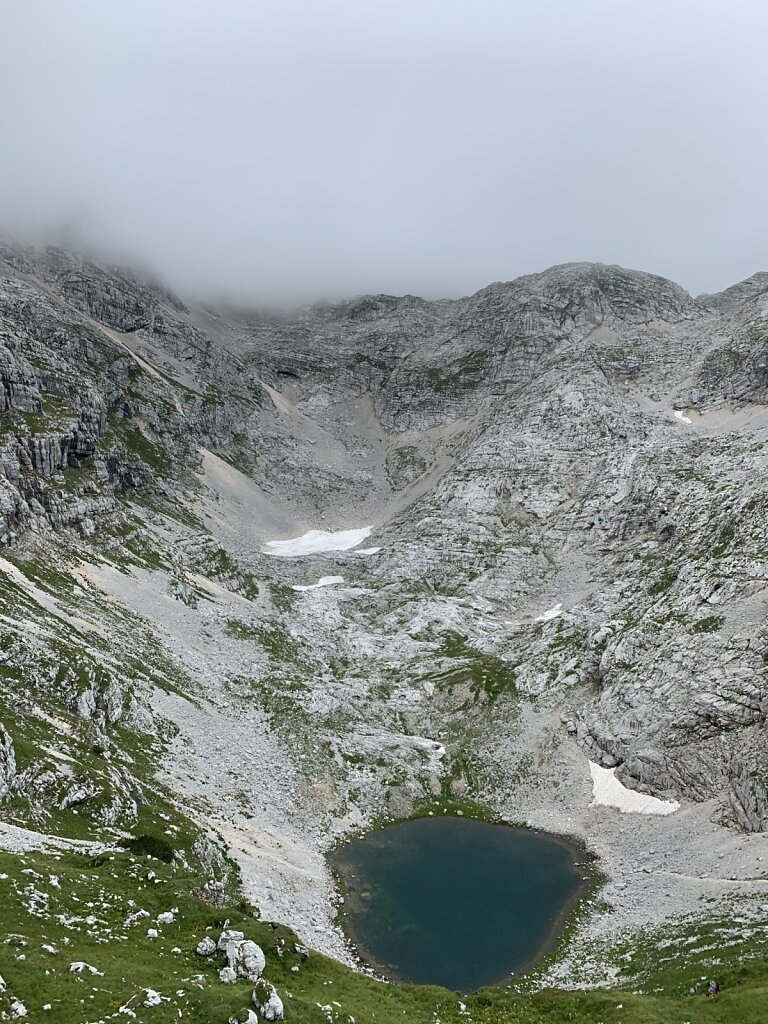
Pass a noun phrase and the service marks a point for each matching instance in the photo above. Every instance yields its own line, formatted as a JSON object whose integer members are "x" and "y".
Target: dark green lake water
{"x": 457, "y": 902}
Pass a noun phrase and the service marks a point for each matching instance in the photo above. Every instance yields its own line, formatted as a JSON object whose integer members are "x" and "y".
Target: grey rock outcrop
{"x": 7, "y": 763}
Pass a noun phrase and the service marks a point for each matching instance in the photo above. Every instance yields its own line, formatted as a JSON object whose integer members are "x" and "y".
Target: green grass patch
{"x": 710, "y": 624}
{"x": 663, "y": 583}
{"x": 483, "y": 673}
{"x": 723, "y": 542}
{"x": 272, "y": 636}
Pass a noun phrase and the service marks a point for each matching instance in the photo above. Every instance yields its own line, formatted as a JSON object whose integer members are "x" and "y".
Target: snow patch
{"x": 368, "y": 551}
{"x": 317, "y": 540}
{"x": 608, "y": 791}
{"x": 324, "y": 581}
{"x": 552, "y": 613}
{"x": 680, "y": 415}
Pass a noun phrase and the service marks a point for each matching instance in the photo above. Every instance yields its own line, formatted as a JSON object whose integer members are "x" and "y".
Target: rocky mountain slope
{"x": 549, "y": 545}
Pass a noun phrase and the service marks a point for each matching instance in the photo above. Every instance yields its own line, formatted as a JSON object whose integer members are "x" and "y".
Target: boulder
{"x": 206, "y": 947}
{"x": 246, "y": 958}
{"x": 244, "y": 1016}
{"x": 227, "y": 936}
{"x": 268, "y": 1002}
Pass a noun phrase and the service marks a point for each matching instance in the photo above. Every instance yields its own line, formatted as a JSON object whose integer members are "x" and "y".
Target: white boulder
{"x": 269, "y": 1003}
{"x": 227, "y": 936}
{"x": 246, "y": 959}
{"x": 80, "y": 967}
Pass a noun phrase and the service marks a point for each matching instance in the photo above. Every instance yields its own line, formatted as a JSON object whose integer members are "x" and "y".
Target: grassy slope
{"x": 83, "y": 917}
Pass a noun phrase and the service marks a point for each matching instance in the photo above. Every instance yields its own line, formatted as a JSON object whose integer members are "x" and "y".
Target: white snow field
{"x": 317, "y": 540}
{"x": 680, "y": 415}
{"x": 607, "y": 791}
{"x": 324, "y": 581}
{"x": 551, "y": 613}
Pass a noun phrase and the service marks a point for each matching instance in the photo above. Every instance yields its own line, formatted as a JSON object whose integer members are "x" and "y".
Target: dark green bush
{"x": 151, "y": 846}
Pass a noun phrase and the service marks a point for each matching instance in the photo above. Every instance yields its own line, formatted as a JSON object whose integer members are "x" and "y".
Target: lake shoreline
{"x": 584, "y": 862}
{"x": 592, "y": 881}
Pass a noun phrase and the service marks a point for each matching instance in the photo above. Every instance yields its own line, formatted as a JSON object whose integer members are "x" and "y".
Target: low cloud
{"x": 287, "y": 151}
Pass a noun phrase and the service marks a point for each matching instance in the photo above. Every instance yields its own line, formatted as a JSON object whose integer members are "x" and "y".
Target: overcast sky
{"x": 301, "y": 149}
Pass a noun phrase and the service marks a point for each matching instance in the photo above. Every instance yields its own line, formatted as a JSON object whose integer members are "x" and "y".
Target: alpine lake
{"x": 458, "y": 902}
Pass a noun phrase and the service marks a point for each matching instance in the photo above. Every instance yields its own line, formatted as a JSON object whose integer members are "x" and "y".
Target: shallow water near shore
{"x": 458, "y": 902}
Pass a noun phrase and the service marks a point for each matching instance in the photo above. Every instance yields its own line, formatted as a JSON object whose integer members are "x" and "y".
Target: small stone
{"x": 80, "y": 967}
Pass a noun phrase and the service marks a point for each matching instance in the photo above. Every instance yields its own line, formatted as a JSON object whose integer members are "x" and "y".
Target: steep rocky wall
{"x": 587, "y": 438}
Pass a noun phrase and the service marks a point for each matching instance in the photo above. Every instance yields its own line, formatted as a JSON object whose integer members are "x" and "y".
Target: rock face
{"x": 564, "y": 480}
{"x": 7, "y": 762}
